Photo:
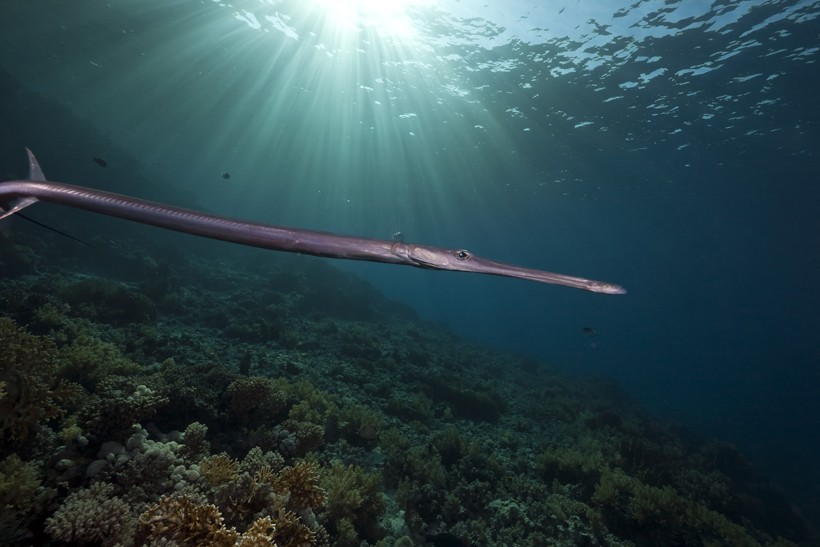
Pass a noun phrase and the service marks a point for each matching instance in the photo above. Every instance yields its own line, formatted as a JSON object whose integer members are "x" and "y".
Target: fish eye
{"x": 462, "y": 255}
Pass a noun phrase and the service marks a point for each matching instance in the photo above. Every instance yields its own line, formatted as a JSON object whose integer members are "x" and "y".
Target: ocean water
{"x": 671, "y": 147}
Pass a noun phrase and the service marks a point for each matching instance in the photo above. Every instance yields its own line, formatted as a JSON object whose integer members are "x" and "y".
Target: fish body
{"x": 18, "y": 194}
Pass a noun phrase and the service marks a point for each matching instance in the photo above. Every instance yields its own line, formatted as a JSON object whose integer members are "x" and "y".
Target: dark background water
{"x": 671, "y": 147}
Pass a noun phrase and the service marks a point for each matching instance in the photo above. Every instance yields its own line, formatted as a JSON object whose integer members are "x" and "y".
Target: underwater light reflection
{"x": 389, "y": 18}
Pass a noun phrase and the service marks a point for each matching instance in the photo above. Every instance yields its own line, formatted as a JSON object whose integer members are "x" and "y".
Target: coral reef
{"x": 106, "y": 301}
{"x": 184, "y": 521}
{"x": 219, "y": 469}
{"x": 18, "y": 482}
{"x": 354, "y": 503}
{"x": 255, "y": 399}
{"x": 92, "y": 515}
{"x": 118, "y": 406}
{"x": 196, "y": 445}
{"x": 260, "y": 404}
{"x": 31, "y": 392}
{"x": 20, "y": 492}
{"x": 301, "y": 484}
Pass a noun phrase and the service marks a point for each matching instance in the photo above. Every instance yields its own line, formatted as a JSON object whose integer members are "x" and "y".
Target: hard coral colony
{"x": 298, "y": 407}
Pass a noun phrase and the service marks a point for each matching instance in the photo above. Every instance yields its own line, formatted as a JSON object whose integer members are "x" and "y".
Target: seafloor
{"x": 246, "y": 398}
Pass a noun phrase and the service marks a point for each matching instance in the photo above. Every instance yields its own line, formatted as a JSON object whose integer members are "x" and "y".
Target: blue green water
{"x": 671, "y": 147}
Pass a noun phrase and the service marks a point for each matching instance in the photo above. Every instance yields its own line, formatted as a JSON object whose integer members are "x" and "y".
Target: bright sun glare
{"x": 387, "y": 17}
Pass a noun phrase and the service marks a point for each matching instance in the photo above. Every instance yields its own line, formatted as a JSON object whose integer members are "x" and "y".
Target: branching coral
{"x": 88, "y": 360}
{"x": 291, "y": 532}
{"x": 195, "y": 445}
{"x": 354, "y": 502}
{"x": 314, "y": 406}
{"x": 261, "y": 532}
{"x": 50, "y": 316}
{"x": 28, "y": 365}
{"x": 18, "y": 482}
{"x": 483, "y": 404}
{"x": 412, "y": 406}
{"x": 308, "y": 436}
{"x": 255, "y": 399}
{"x": 219, "y": 469}
{"x": 17, "y": 260}
{"x": 572, "y": 464}
{"x": 254, "y": 496}
{"x": 301, "y": 482}
{"x": 120, "y": 407}
{"x": 198, "y": 392}
{"x": 662, "y": 514}
{"x": 92, "y": 515}
{"x": 144, "y": 469}
{"x": 182, "y": 520}
{"x": 105, "y": 300}
{"x": 359, "y": 424}
{"x": 256, "y": 460}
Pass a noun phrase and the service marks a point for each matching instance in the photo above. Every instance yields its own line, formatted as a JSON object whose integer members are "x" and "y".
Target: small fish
{"x": 226, "y": 175}
{"x": 101, "y": 162}
{"x": 589, "y": 331}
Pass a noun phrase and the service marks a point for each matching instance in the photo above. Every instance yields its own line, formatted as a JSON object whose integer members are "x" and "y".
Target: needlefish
{"x": 16, "y": 195}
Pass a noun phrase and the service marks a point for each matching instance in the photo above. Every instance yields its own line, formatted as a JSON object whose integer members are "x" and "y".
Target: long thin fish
{"x": 16, "y": 195}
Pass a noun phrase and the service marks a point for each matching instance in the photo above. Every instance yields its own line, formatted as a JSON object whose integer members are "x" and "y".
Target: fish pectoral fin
{"x": 15, "y": 205}
{"x": 8, "y": 209}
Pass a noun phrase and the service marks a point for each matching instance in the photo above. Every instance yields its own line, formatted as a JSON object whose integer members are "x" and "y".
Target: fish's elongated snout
{"x": 481, "y": 265}
{"x": 462, "y": 260}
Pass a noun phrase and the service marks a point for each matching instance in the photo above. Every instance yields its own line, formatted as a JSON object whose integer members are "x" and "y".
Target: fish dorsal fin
{"x": 9, "y": 208}
{"x": 34, "y": 170}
